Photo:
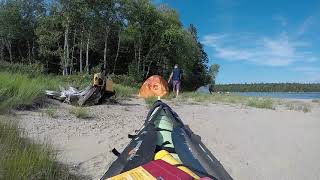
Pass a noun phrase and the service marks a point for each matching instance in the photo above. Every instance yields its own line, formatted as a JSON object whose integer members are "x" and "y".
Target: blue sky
{"x": 257, "y": 41}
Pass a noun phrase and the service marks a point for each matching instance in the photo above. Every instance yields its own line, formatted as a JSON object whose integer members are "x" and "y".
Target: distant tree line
{"x": 268, "y": 87}
{"x": 131, "y": 37}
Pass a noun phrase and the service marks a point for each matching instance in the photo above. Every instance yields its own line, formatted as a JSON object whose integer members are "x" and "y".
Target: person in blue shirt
{"x": 176, "y": 76}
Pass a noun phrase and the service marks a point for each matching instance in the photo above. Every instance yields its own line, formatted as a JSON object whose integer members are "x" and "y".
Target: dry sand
{"x": 251, "y": 143}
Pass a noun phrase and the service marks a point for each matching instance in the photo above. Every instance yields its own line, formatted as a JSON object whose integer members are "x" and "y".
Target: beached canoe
{"x": 164, "y": 132}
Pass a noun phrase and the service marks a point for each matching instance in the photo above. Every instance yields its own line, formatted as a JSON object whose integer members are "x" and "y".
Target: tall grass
{"x": 20, "y": 90}
{"x": 123, "y": 91}
{"x": 31, "y": 70}
{"x": 23, "y": 159}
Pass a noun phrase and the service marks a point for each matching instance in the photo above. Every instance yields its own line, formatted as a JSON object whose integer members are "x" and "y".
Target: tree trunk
{"x": 148, "y": 69}
{"x": 72, "y": 51}
{"x": 135, "y": 53}
{"x": 115, "y": 60}
{"x": 1, "y": 49}
{"x": 64, "y": 53}
{"x": 29, "y": 52}
{"x": 144, "y": 68}
{"x": 66, "y": 50}
{"x": 105, "y": 49}
{"x": 80, "y": 54}
{"x": 19, "y": 51}
{"x": 10, "y": 52}
{"x": 32, "y": 51}
{"x": 67, "y": 53}
{"x": 139, "y": 58}
{"x": 8, "y": 45}
{"x": 87, "y": 55}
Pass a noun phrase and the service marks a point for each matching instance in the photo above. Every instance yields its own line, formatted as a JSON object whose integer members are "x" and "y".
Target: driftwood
{"x": 89, "y": 96}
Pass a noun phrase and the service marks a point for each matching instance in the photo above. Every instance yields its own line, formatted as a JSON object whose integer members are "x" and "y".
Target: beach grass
{"x": 150, "y": 101}
{"x": 51, "y": 112}
{"x": 80, "y": 112}
{"x": 306, "y": 108}
{"x": 265, "y": 103}
{"x": 21, "y": 158}
{"x": 18, "y": 90}
{"x": 298, "y": 106}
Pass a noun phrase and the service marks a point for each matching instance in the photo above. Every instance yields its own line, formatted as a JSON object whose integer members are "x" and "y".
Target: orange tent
{"x": 154, "y": 86}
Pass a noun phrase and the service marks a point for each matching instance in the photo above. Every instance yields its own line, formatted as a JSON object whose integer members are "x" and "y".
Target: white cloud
{"x": 306, "y": 25}
{"x": 279, "y": 51}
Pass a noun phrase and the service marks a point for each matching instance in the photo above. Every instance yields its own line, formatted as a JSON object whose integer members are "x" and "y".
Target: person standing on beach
{"x": 176, "y": 76}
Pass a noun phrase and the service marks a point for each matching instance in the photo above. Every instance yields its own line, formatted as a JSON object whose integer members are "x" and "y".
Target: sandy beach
{"x": 251, "y": 143}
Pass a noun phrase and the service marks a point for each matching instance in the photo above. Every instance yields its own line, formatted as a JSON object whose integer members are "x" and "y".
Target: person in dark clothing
{"x": 176, "y": 76}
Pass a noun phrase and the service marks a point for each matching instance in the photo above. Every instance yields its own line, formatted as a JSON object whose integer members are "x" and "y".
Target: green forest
{"x": 131, "y": 39}
{"x": 126, "y": 37}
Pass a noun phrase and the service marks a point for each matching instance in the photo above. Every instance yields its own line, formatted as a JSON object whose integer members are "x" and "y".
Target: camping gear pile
{"x": 154, "y": 86}
{"x": 164, "y": 148}
{"x": 94, "y": 94}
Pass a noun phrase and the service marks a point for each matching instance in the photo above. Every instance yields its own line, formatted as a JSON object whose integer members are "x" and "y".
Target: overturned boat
{"x": 164, "y": 148}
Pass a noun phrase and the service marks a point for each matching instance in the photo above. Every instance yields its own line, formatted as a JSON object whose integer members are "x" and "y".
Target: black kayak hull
{"x": 183, "y": 143}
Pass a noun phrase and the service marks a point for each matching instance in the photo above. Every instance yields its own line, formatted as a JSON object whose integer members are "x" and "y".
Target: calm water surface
{"x": 283, "y": 95}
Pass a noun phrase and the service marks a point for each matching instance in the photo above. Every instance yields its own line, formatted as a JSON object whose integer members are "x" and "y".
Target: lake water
{"x": 283, "y": 95}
